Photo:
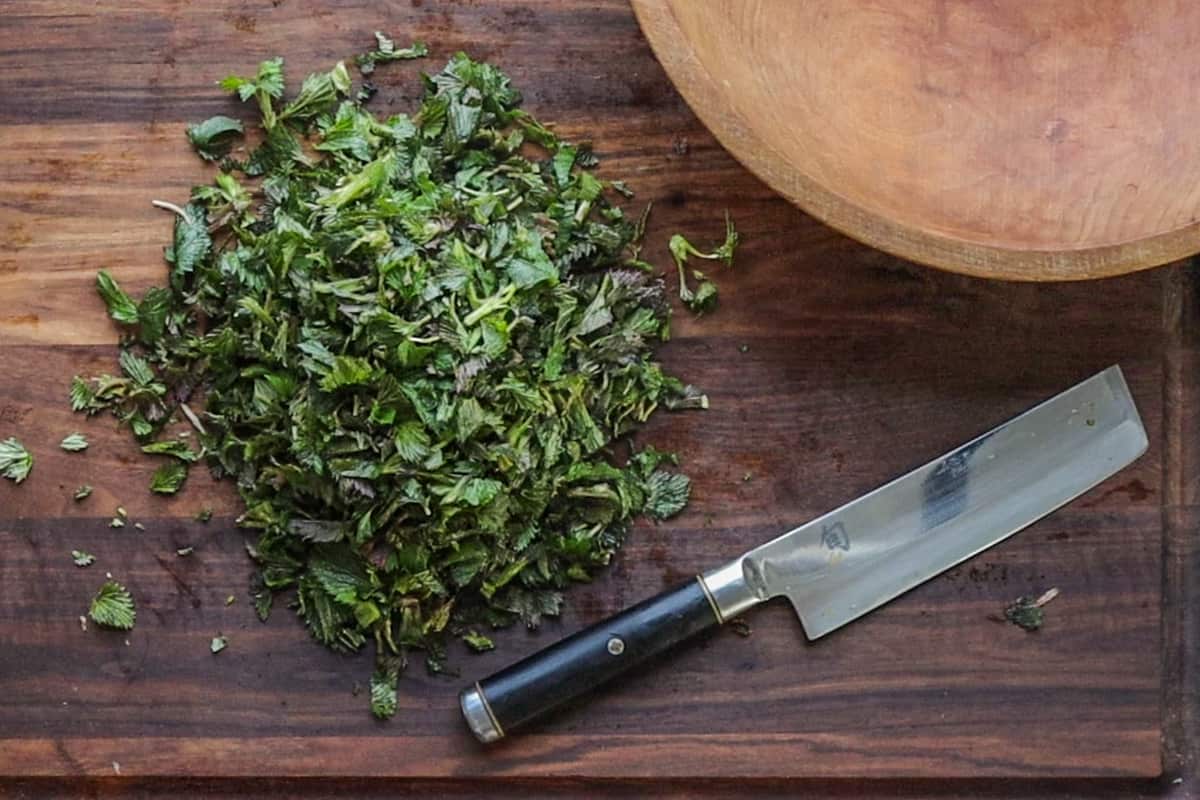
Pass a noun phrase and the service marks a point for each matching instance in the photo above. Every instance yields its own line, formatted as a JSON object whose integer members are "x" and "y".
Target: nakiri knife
{"x": 852, "y": 560}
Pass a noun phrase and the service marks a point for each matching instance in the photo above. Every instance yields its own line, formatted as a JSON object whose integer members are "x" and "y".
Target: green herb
{"x": 171, "y": 447}
{"x": 1026, "y": 612}
{"x": 122, "y": 513}
{"x": 704, "y": 298}
{"x": 82, "y": 559}
{"x": 385, "y": 50}
{"x": 82, "y": 492}
{"x": 204, "y": 515}
{"x": 383, "y": 686}
{"x": 418, "y": 345}
{"x": 218, "y": 644}
{"x": 477, "y": 641}
{"x": 169, "y": 477}
{"x": 113, "y": 607}
{"x": 116, "y": 522}
{"x": 15, "y": 460}
{"x": 120, "y": 305}
{"x": 230, "y": 600}
{"x": 213, "y": 137}
{"x": 74, "y": 443}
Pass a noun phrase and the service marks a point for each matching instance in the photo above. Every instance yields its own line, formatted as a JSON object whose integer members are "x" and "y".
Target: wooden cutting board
{"x": 831, "y": 368}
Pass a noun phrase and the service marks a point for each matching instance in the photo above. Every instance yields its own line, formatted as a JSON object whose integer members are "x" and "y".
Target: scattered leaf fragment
{"x": 218, "y": 644}
{"x": 740, "y": 626}
{"x": 169, "y": 477}
{"x": 83, "y": 492}
{"x": 15, "y": 460}
{"x": 113, "y": 607}
{"x": 383, "y": 689}
{"x": 1026, "y": 612}
{"x": 477, "y": 641}
{"x": 82, "y": 559}
{"x": 213, "y": 137}
{"x": 74, "y": 443}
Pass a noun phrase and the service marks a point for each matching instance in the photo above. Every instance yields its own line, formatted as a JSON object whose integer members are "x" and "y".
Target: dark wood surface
{"x": 856, "y": 366}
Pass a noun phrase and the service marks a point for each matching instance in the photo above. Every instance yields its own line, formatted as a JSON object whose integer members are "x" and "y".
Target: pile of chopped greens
{"x": 417, "y": 344}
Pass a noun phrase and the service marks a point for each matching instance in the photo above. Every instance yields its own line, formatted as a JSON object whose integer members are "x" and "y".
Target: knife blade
{"x": 851, "y": 560}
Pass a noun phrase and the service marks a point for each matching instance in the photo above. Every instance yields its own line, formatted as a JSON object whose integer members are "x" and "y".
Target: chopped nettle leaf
{"x": 668, "y": 494}
{"x": 113, "y": 607}
{"x": 171, "y": 447}
{"x": 116, "y": 522}
{"x": 477, "y": 641}
{"x": 15, "y": 460}
{"x": 383, "y": 688}
{"x": 82, "y": 559}
{"x": 218, "y": 644}
{"x": 230, "y": 600}
{"x": 169, "y": 477}
{"x": 74, "y": 443}
{"x": 704, "y": 298}
{"x": 82, "y": 492}
{"x": 122, "y": 513}
{"x": 419, "y": 346}
{"x": 204, "y": 515}
{"x": 213, "y": 137}
{"x": 120, "y": 305}
{"x": 386, "y": 50}
{"x": 1026, "y": 612}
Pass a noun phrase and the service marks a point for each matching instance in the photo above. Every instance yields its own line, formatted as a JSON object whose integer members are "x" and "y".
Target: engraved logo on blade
{"x": 834, "y": 537}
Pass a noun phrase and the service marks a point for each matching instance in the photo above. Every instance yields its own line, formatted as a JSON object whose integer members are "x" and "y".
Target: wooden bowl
{"x": 1025, "y": 140}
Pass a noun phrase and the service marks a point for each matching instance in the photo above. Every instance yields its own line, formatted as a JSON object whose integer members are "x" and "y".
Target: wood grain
{"x": 832, "y": 367}
{"x": 1031, "y": 142}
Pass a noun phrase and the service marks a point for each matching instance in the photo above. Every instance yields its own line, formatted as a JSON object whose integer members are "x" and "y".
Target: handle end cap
{"x": 478, "y": 716}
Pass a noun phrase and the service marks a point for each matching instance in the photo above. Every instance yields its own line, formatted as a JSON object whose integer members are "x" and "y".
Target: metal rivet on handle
{"x": 616, "y": 646}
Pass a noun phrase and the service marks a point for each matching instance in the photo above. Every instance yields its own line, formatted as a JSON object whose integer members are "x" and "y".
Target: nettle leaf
{"x": 113, "y": 607}
{"x": 168, "y": 478}
{"x": 152, "y": 314}
{"x": 668, "y": 494}
{"x": 15, "y": 461}
{"x": 74, "y": 443}
{"x": 383, "y": 694}
{"x": 213, "y": 137}
{"x": 136, "y": 367}
{"x": 415, "y": 344}
{"x": 192, "y": 243}
{"x": 82, "y": 395}
{"x": 120, "y": 305}
{"x": 386, "y": 50}
{"x": 347, "y": 371}
{"x": 171, "y": 447}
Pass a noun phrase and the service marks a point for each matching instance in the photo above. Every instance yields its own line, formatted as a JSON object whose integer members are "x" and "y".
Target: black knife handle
{"x": 583, "y": 661}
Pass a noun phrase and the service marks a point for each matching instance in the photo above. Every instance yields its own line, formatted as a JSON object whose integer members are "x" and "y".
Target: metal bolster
{"x": 479, "y": 716}
{"x": 727, "y": 591}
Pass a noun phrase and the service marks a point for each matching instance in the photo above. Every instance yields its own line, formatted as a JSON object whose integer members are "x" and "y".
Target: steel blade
{"x": 852, "y": 560}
